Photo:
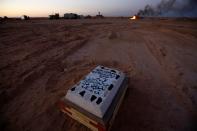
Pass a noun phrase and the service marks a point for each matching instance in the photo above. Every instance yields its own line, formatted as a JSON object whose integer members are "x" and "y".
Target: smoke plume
{"x": 171, "y": 8}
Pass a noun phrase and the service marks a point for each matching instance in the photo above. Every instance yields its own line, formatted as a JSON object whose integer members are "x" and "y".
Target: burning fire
{"x": 133, "y": 18}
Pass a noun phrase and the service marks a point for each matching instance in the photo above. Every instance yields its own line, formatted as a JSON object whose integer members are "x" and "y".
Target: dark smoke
{"x": 171, "y": 8}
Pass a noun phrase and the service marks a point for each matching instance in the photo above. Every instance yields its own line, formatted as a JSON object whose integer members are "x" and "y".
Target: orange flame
{"x": 133, "y": 18}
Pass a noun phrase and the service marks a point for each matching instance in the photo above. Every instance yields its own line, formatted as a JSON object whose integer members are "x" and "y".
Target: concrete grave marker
{"x": 97, "y": 90}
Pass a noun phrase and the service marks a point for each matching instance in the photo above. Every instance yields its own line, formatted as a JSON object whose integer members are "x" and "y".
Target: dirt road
{"x": 41, "y": 59}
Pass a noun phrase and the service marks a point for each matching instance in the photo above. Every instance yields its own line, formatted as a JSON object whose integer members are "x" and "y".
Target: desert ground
{"x": 41, "y": 59}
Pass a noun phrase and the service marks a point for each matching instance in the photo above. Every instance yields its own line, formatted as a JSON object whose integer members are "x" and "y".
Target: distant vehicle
{"x": 5, "y": 17}
{"x": 56, "y": 16}
{"x": 99, "y": 15}
{"x": 24, "y": 17}
{"x": 71, "y": 16}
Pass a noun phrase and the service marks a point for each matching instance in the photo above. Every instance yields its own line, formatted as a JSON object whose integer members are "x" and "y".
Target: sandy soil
{"x": 41, "y": 59}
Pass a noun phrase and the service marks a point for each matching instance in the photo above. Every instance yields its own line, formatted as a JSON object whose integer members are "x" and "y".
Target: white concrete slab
{"x": 96, "y": 92}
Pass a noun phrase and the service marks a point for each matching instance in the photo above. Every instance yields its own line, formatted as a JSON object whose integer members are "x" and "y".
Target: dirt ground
{"x": 41, "y": 59}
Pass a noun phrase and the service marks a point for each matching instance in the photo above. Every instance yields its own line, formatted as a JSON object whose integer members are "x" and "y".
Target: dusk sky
{"x": 33, "y": 8}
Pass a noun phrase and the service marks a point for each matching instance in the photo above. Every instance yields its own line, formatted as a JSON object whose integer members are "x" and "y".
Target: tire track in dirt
{"x": 39, "y": 67}
{"x": 160, "y": 98}
{"x": 175, "y": 70}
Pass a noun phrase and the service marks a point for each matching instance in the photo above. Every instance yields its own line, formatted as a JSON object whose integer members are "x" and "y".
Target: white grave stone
{"x": 96, "y": 92}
